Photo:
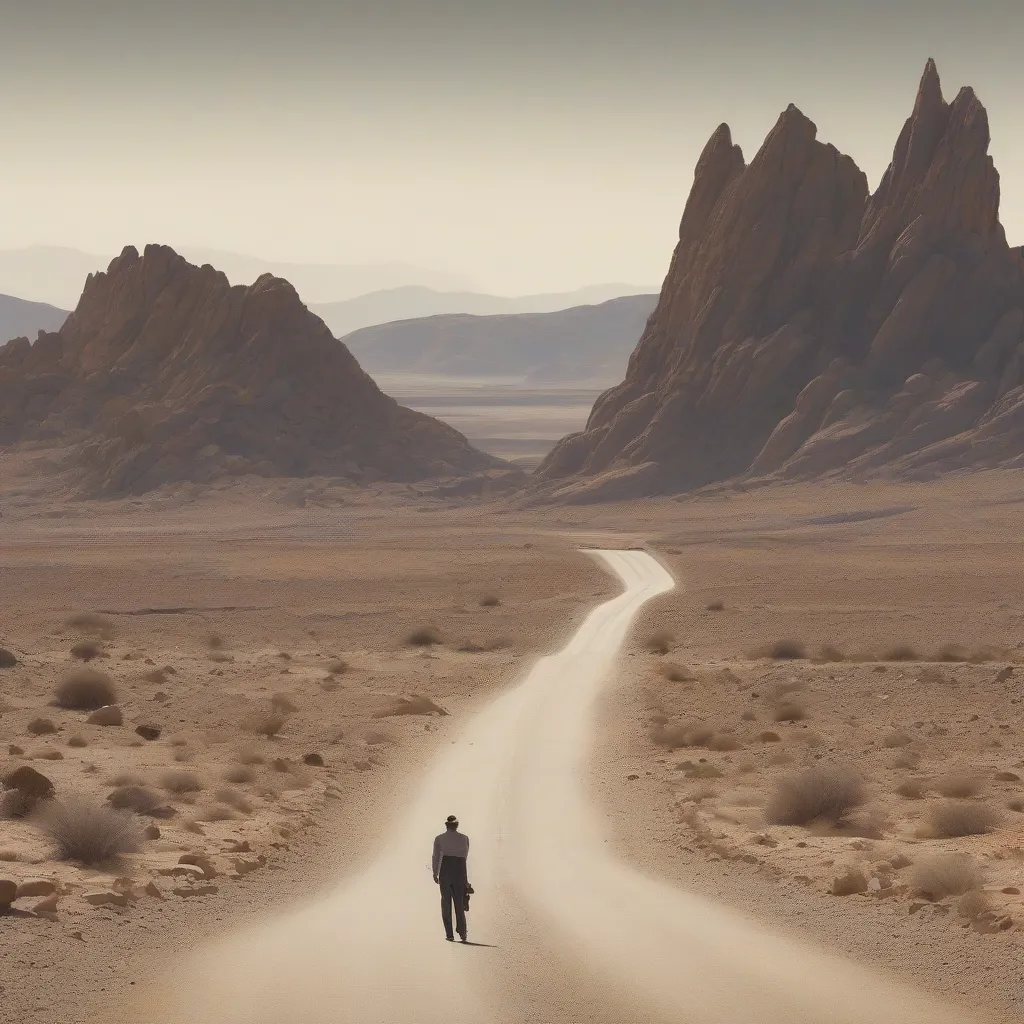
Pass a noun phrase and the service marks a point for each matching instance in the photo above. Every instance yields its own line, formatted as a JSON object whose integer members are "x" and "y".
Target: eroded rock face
{"x": 806, "y": 326}
{"x": 166, "y": 372}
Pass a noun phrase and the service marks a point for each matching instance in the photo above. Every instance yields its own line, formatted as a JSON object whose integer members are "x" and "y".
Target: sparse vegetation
{"x": 787, "y": 650}
{"x": 217, "y": 812}
{"x": 723, "y": 742}
{"x": 901, "y": 652}
{"x": 248, "y": 756}
{"x": 959, "y": 786}
{"x": 674, "y": 672}
{"x": 86, "y": 650}
{"x": 911, "y": 789}
{"x": 789, "y": 711}
{"x": 896, "y": 738}
{"x": 86, "y": 831}
{"x": 828, "y": 653}
{"x": 946, "y": 874}
{"x": 268, "y": 724}
{"x": 85, "y": 689}
{"x": 78, "y": 741}
{"x": 973, "y": 904}
{"x": 134, "y": 798}
{"x": 177, "y": 781}
{"x": 715, "y": 606}
{"x": 490, "y": 601}
{"x": 952, "y": 819}
{"x": 953, "y": 653}
{"x": 337, "y": 668}
{"x": 825, "y": 793}
{"x": 92, "y": 624}
{"x": 283, "y": 703}
{"x": 214, "y": 641}
{"x": 240, "y": 774}
{"x": 425, "y": 636}
{"x": 40, "y": 727}
{"x": 660, "y": 642}
{"x": 232, "y": 798}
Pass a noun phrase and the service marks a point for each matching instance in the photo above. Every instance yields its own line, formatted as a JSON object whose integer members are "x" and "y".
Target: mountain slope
{"x": 166, "y": 372}
{"x": 19, "y": 318}
{"x": 807, "y": 327}
{"x": 578, "y": 344}
{"x": 414, "y": 302}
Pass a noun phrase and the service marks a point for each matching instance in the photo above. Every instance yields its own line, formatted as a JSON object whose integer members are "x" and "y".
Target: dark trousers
{"x": 452, "y": 879}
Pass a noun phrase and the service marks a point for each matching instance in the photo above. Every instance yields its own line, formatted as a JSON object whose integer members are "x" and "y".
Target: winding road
{"x": 563, "y": 931}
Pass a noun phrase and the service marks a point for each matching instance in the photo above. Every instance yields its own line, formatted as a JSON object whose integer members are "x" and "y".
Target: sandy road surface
{"x": 373, "y": 951}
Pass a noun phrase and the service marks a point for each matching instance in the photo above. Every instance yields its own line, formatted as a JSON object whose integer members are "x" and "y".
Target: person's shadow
{"x": 483, "y": 945}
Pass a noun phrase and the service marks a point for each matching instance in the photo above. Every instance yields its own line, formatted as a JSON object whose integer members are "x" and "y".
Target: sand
{"x": 324, "y": 574}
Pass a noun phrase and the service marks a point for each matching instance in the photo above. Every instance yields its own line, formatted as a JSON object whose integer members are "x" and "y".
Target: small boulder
{"x": 49, "y": 754}
{"x": 415, "y": 705}
{"x": 239, "y": 846}
{"x": 148, "y": 731}
{"x": 108, "y": 715}
{"x": 7, "y": 660}
{"x": 849, "y": 882}
{"x": 196, "y": 890}
{"x": 15, "y": 751}
{"x": 200, "y": 861}
{"x": 152, "y": 889}
{"x": 106, "y": 897}
{"x": 8, "y": 892}
{"x": 32, "y": 785}
{"x": 315, "y": 760}
{"x": 36, "y": 887}
{"x": 1007, "y": 777}
{"x": 1003, "y": 674}
{"x": 151, "y": 832}
{"x": 41, "y": 727}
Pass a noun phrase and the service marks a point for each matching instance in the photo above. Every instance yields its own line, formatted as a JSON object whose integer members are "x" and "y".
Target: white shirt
{"x": 450, "y": 843}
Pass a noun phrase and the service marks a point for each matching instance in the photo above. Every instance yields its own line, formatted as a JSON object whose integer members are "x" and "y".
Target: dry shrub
{"x": 337, "y": 668}
{"x": 787, "y": 650}
{"x": 908, "y": 760}
{"x": 126, "y": 779}
{"x": 946, "y": 874}
{"x": 92, "y": 624}
{"x": 715, "y": 606}
{"x": 134, "y": 798}
{"x": 896, "y": 738}
{"x": 982, "y": 655}
{"x": 699, "y": 735}
{"x": 911, "y": 789}
{"x": 973, "y": 904}
{"x": 40, "y": 727}
{"x": 675, "y": 673}
{"x": 953, "y": 653}
{"x": 425, "y": 636}
{"x": 15, "y": 804}
{"x": 240, "y": 774}
{"x": 183, "y": 755}
{"x": 283, "y": 703}
{"x": 156, "y": 675}
{"x": 86, "y": 831}
{"x": 769, "y": 737}
{"x": 825, "y": 793}
{"x": 86, "y": 650}
{"x": 85, "y": 689}
{"x": 953, "y": 819}
{"x": 700, "y": 771}
{"x": 285, "y": 655}
{"x": 932, "y": 675}
{"x": 789, "y": 711}
{"x": 959, "y": 786}
{"x": 901, "y": 652}
{"x": 214, "y": 641}
{"x": 490, "y": 601}
{"x": 748, "y": 716}
{"x": 724, "y": 742}
{"x": 78, "y": 741}
{"x": 217, "y": 812}
{"x": 269, "y": 724}
{"x": 176, "y": 781}
{"x": 249, "y": 756}
{"x": 660, "y": 642}
{"x": 232, "y": 798}
{"x": 705, "y": 791}
{"x": 669, "y": 736}
{"x": 828, "y": 653}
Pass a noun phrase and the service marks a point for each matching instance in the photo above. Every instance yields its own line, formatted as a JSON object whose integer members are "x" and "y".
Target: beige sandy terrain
{"x": 263, "y": 564}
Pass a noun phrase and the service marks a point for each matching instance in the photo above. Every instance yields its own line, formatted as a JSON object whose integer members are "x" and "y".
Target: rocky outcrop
{"x": 165, "y": 372}
{"x": 807, "y": 327}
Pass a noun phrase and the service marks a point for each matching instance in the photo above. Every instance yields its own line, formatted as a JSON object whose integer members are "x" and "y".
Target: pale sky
{"x": 518, "y": 146}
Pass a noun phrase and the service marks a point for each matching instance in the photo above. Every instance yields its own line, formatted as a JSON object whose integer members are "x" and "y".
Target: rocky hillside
{"x": 582, "y": 343}
{"x": 807, "y": 327}
{"x": 165, "y": 372}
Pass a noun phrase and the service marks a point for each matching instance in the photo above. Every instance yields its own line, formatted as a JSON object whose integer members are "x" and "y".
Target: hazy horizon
{"x": 516, "y": 151}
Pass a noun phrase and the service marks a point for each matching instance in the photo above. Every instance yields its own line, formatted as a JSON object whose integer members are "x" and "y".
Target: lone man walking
{"x": 451, "y": 848}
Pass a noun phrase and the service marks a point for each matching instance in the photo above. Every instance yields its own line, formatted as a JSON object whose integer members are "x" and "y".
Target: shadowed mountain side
{"x": 414, "y": 302}
{"x": 19, "y": 318}
{"x": 806, "y": 327}
{"x": 578, "y": 344}
{"x": 165, "y": 372}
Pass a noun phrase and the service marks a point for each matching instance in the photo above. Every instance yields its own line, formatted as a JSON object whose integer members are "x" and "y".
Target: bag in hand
{"x": 469, "y": 892}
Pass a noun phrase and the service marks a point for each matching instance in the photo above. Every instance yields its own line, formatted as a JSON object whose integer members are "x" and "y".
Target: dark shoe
{"x": 450, "y": 938}
{"x": 465, "y": 938}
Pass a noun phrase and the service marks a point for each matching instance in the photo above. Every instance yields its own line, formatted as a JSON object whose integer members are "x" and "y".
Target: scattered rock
{"x": 850, "y": 882}
{"x": 8, "y": 892}
{"x": 105, "y": 897}
{"x": 315, "y": 760}
{"x": 152, "y": 889}
{"x": 46, "y": 907}
{"x": 151, "y": 832}
{"x": 992, "y": 922}
{"x": 41, "y": 727}
{"x": 108, "y": 715}
{"x": 14, "y": 750}
{"x": 35, "y": 887}
{"x": 7, "y": 660}
{"x": 33, "y": 786}
{"x": 1003, "y": 674}
{"x": 49, "y": 754}
{"x": 415, "y": 705}
{"x": 239, "y": 846}
{"x": 1007, "y": 777}
{"x": 281, "y": 764}
{"x": 148, "y": 731}
{"x": 1011, "y": 890}
{"x": 200, "y": 861}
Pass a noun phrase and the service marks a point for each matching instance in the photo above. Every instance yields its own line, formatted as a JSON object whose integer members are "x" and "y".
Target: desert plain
{"x": 287, "y": 658}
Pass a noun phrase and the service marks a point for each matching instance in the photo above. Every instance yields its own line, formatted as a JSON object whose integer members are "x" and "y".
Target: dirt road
{"x": 373, "y": 951}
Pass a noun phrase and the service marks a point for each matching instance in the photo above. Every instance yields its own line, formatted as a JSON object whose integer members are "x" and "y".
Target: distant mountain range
{"x": 583, "y": 343}
{"x": 57, "y": 274}
{"x": 19, "y": 318}
{"x": 415, "y": 301}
